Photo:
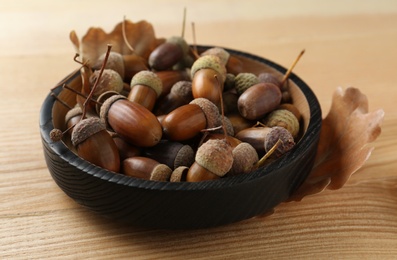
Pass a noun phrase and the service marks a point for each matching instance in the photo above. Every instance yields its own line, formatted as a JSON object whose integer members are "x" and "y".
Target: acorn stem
{"x": 194, "y": 51}
{"x": 96, "y": 82}
{"x": 60, "y": 100}
{"x": 79, "y": 93}
{"x": 286, "y": 75}
{"x": 183, "y": 23}
{"x": 125, "y": 35}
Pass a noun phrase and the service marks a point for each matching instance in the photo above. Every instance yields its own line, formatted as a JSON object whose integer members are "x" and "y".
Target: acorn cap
{"x": 216, "y": 156}
{"x": 183, "y": 89}
{"x": 221, "y": 53}
{"x": 209, "y": 62}
{"x": 148, "y": 78}
{"x": 244, "y": 159}
{"x": 86, "y": 128}
{"x": 180, "y": 42}
{"x": 244, "y": 80}
{"x": 229, "y": 82}
{"x": 110, "y": 80}
{"x": 283, "y": 118}
{"x": 179, "y": 174}
{"x": 228, "y": 126}
{"x": 161, "y": 173}
{"x": 115, "y": 62}
{"x": 287, "y": 140}
{"x": 184, "y": 157}
{"x": 105, "y": 108}
{"x": 102, "y": 98}
{"x": 76, "y": 111}
{"x": 210, "y": 110}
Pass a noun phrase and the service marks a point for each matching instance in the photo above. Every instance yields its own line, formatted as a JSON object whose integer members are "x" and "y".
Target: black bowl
{"x": 183, "y": 205}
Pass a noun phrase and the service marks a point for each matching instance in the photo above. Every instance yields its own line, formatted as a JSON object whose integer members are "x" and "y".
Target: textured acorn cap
{"x": 115, "y": 62}
{"x": 228, "y": 126}
{"x": 229, "y": 82}
{"x": 184, "y": 157}
{"x": 180, "y": 42}
{"x": 215, "y": 155}
{"x": 244, "y": 80}
{"x": 86, "y": 128}
{"x": 76, "y": 111}
{"x": 287, "y": 140}
{"x": 148, "y": 78}
{"x": 283, "y": 118}
{"x": 105, "y": 108}
{"x": 183, "y": 89}
{"x": 161, "y": 173}
{"x": 179, "y": 174}
{"x": 221, "y": 53}
{"x": 210, "y": 110}
{"x": 110, "y": 80}
{"x": 209, "y": 62}
{"x": 244, "y": 159}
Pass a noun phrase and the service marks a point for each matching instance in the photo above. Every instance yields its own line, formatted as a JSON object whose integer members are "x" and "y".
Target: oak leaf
{"x": 140, "y": 36}
{"x": 343, "y": 147}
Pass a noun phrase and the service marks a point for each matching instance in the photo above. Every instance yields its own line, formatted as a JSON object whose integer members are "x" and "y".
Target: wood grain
{"x": 347, "y": 43}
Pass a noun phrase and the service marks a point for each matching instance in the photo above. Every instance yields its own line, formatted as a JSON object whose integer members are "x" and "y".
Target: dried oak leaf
{"x": 343, "y": 147}
{"x": 140, "y": 36}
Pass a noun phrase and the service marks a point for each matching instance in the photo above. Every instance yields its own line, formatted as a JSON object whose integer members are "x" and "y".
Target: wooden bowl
{"x": 185, "y": 205}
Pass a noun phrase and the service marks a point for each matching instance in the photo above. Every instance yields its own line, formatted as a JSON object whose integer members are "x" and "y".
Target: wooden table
{"x": 348, "y": 43}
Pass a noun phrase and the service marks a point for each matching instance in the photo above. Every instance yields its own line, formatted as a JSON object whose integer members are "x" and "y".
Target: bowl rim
{"x": 61, "y": 149}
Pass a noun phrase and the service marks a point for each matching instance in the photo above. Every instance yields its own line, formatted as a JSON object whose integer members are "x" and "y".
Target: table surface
{"x": 347, "y": 43}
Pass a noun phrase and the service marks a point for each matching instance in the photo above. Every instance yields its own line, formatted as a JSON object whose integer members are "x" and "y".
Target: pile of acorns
{"x": 182, "y": 117}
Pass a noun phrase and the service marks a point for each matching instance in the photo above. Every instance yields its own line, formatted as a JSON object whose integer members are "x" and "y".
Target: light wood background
{"x": 348, "y": 43}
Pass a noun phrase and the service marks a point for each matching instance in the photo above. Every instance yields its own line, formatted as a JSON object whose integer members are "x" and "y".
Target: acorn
{"x": 243, "y": 81}
{"x": 245, "y": 158}
{"x": 131, "y": 121}
{"x": 208, "y": 76}
{"x": 94, "y": 144}
{"x": 126, "y": 65}
{"x": 146, "y": 87}
{"x": 109, "y": 81}
{"x": 267, "y": 77}
{"x": 72, "y": 117}
{"x": 264, "y": 138}
{"x": 168, "y": 54}
{"x": 172, "y": 154}
{"x": 283, "y": 118}
{"x": 126, "y": 150}
{"x": 259, "y": 100}
{"x": 146, "y": 168}
{"x": 187, "y": 121}
{"x": 213, "y": 160}
{"x": 239, "y": 123}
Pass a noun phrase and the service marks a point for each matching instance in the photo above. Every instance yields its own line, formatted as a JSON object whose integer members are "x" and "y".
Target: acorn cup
{"x": 146, "y": 87}
{"x": 94, "y": 144}
{"x": 213, "y": 160}
{"x": 180, "y": 94}
{"x": 131, "y": 121}
{"x": 233, "y": 65}
{"x": 126, "y": 65}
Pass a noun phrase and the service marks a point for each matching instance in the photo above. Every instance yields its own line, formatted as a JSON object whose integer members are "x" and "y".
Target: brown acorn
{"x": 187, "y": 121}
{"x": 213, "y": 160}
{"x": 259, "y": 100}
{"x": 131, "y": 121}
{"x": 168, "y": 53}
{"x": 146, "y": 168}
{"x": 94, "y": 144}
{"x": 208, "y": 76}
{"x": 146, "y": 87}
